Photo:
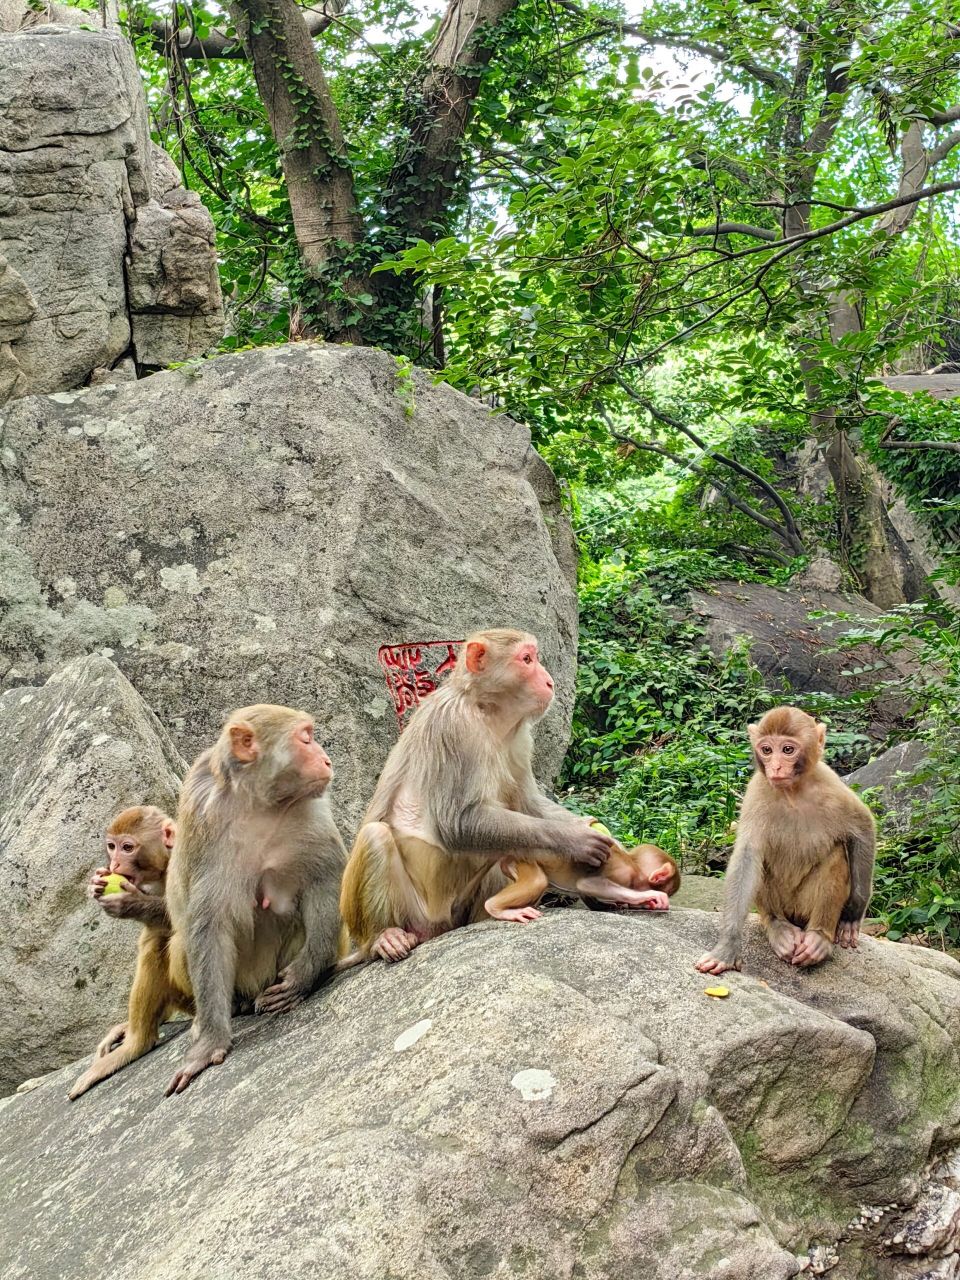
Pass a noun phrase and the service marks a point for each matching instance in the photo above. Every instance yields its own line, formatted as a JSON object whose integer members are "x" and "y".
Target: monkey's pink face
{"x": 783, "y": 760}
{"x": 310, "y": 760}
{"x": 534, "y": 676}
{"x": 122, "y": 857}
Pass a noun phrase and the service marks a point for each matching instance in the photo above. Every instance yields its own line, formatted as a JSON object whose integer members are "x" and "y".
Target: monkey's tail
{"x": 349, "y": 962}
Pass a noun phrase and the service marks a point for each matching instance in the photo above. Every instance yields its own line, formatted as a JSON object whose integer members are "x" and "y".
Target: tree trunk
{"x": 307, "y": 131}
{"x": 426, "y": 179}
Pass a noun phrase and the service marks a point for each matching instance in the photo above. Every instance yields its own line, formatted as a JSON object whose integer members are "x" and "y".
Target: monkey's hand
{"x": 284, "y": 995}
{"x": 848, "y": 933}
{"x": 653, "y": 900}
{"x": 98, "y": 882}
{"x": 720, "y": 963}
{"x": 580, "y": 842}
{"x": 203, "y": 1054}
{"x": 126, "y": 903}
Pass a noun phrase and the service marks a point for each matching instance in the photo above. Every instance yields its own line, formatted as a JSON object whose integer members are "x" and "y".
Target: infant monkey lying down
{"x": 643, "y": 877}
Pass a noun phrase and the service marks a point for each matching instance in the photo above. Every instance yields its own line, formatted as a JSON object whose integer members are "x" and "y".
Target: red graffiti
{"x": 414, "y": 670}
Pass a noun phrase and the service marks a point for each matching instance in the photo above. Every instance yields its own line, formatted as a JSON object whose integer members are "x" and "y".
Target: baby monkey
{"x": 643, "y": 877}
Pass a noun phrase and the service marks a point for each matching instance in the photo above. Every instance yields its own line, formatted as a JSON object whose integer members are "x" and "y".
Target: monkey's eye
{"x": 787, "y": 749}
{"x": 111, "y": 845}
{"x": 128, "y": 847}
{"x": 527, "y": 659}
{"x": 766, "y": 750}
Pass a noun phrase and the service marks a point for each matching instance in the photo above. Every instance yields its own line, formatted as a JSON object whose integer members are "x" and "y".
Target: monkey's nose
{"x": 549, "y": 683}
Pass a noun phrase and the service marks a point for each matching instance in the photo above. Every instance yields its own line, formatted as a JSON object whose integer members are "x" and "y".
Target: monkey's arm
{"x": 212, "y": 962}
{"x": 145, "y": 907}
{"x": 861, "y": 847}
{"x": 743, "y": 875}
{"x": 480, "y": 827}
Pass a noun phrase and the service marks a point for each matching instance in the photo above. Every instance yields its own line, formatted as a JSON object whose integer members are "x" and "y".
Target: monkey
{"x": 642, "y": 877}
{"x": 804, "y": 850}
{"x": 139, "y": 843}
{"x": 255, "y": 876}
{"x": 456, "y": 794}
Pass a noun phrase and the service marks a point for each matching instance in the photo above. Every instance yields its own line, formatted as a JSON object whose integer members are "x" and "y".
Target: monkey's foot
{"x": 523, "y": 915}
{"x": 712, "y": 964}
{"x": 394, "y": 944}
{"x": 848, "y": 933}
{"x": 784, "y": 938}
{"x": 111, "y": 1040}
{"x": 86, "y": 1081}
{"x": 282, "y": 996}
{"x": 813, "y": 948}
{"x": 196, "y": 1061}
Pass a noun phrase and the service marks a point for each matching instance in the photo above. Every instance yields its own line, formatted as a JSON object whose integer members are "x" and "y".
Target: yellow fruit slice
{"x": 719, "y": 993}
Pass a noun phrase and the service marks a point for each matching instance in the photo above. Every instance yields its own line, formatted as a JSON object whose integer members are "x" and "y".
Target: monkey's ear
{"x": 243, "y": 743}
{"x": 754, "y": 731}
{"x": 661, "y": 875}
{"x": 821, "y": 735}
{"x": 168, "y": 833}
{"x": 476, "y": 656}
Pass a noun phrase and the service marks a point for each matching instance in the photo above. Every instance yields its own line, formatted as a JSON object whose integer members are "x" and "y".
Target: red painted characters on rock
{"x": 413, "y": 671}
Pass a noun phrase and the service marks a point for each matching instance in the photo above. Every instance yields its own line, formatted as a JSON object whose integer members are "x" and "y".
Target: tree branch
{"x": 218, "y": 44}
{"x": 680, "y": 40}
{"x": 735, "y": 228}
{"x": 788, "y": 531}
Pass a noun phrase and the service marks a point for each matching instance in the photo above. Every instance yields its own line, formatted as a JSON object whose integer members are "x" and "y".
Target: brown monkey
{"x": 641, "y": 877}
{"x": 139, "y": 842}
{"x": 456, "y": 794}
{"x": 255, "y": 876}
{"x": 804, "y": 850}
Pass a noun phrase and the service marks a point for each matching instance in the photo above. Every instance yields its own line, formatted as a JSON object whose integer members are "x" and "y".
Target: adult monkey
{"x": 804, "y": 851}
{"x": 456, "y": 794}
{"x": 255, "y": 876}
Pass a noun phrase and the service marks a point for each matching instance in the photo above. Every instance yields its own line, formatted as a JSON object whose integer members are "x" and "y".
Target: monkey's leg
{"x": 320, "y": 913}
{"x": 518, "y": 901}
{"x": 820, "y": 900}
{"x": 784, "y": 937}
{"x": 151, "y": 999}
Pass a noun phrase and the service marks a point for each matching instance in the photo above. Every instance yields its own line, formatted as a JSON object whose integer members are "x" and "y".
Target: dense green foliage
{"x": 680, "y": 242}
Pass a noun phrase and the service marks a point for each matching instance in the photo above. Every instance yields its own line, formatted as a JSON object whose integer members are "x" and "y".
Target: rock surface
{"x": 794, "y": 651}
{"x": 906, "y": 780}
{"x": 553, "y": 1100}
{"x": 94, "y": 235}
{"x": 72, "y": 753}
{"x": 255, "y": 528}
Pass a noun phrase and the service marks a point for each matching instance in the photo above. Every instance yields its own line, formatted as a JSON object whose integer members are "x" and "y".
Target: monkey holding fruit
{"x": 804, "y": 850}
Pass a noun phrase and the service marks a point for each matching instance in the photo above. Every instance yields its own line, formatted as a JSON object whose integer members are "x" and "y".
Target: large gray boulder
{"x": 905, "y": 778}
{"x": 72, "y": 754}
{"x": 529, "y": 1102}
{"x": 796, "y": 652}
{"x": 258, "y": 527}
{"x": 94, "y": 237}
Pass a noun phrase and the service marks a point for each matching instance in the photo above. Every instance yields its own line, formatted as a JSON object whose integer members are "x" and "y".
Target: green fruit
{"x": 114, "y": 884}
{"x": 605, "y": 831}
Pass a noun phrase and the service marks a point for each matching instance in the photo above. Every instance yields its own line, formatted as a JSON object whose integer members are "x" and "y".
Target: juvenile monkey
{"x": 138, "y": 842}
{"x": 255, "y": 876}
{"x": 642, "y": 877}
{"x": 456, "y": 794}
{"x": 804, "y": 850}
